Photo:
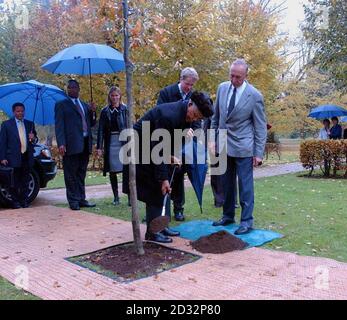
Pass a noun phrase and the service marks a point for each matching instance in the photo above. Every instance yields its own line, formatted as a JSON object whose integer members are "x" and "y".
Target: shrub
{"x": 327, "y": 154}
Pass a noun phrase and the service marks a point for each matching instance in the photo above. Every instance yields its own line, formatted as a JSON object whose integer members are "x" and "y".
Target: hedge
{"x": 328, "y": 155}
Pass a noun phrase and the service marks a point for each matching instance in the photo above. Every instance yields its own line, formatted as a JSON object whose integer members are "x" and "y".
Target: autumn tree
{"x": 299, "y": 96}
{"x": 325, "y": 27}
{"x": 57, "y": 27}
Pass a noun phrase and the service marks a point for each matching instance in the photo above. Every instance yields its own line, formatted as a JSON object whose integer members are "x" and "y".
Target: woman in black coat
{"x": 113, "y": 119}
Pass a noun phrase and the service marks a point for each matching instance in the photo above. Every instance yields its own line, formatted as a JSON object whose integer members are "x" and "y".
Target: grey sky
{"x": 292, "y": 16}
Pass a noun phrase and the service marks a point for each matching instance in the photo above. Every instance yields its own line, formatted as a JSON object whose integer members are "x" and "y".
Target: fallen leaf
{"x": 56, "y": 284}
{"x": 88, "y": 283}
{"x": 5, "y": 258}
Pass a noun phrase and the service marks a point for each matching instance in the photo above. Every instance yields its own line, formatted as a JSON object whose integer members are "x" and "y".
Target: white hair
{"x": 240, "y": 62}
{"x": 189, "y": 72}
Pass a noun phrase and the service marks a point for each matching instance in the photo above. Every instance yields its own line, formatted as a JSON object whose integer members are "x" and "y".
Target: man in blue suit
{"x": 73, "y": 122}
{"x": 180, "y": 91}
{"x": 17, "y": 137}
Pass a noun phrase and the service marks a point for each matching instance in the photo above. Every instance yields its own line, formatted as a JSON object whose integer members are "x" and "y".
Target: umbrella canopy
{"x": 195, "y": 155}
{"x": 86, "y": 59}
{"x": 327, "y": 111}
{"x": 38, "y": 98}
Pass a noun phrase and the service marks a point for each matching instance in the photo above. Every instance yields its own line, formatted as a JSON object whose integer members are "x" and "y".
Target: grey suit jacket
{"x": 246, "y": 125}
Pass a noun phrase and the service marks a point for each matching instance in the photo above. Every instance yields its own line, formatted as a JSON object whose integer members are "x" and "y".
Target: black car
{"x": 44, "y": 170}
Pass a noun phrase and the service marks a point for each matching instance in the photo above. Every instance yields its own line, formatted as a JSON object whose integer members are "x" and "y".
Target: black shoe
{"x": 243, "y": 230}
{"x": 179, "y": 216}
{"x": 170, "y": 233}
{"x": 116, "y": 201}
{"x": 16, "y": 205}
{"x": 223, "y": 222}
{"x": 157, "y": 237}
{"x": 87, "y": 204}
{"x": 74, "y": 207}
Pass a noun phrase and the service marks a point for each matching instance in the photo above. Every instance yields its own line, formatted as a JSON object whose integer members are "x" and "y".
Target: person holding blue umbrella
{"x": 325, "y": 131}
{"x": 336, "y": 129}
{"x": 73, "y": 122}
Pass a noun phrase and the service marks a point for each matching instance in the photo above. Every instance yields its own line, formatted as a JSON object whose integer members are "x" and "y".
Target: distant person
{"x": 181, "y": 90}
{"x": 73, "y": 121}
{"x": 113, "y": 119}
{"x": 17, "y": 139}
{"x": 325, "y": 131}
{"x": 336, "y": 129}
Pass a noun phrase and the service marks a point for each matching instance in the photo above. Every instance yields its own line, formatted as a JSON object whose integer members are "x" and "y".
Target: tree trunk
{"x": 132, "y": 169}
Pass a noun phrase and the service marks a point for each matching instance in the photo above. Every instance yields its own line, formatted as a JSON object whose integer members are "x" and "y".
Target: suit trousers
{"x": 217, "y": 188}
{"x": 243, "y": 168}
{"x": 178, "y": 196}
{"x": 75, "y": 170}
{"x": 21, "y": 178}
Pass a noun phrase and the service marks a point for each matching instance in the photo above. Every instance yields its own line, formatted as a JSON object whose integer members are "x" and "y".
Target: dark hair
{"x": 326, "y": 121}
{"x": 17, "y": 104}
{"x": 335, "y": 118}
{"x": 203, "y": 102}
{"x": 70, "y": 81}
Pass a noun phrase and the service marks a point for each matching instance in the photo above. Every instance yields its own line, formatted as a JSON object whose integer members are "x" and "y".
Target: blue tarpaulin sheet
{"x": 194, "y": 230}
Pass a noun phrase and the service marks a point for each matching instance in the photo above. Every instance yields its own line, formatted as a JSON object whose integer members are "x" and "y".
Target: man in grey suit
{"x": 240, "y": 110}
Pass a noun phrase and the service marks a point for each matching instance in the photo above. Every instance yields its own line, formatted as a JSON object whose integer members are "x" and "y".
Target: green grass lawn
{"x": 9, "y": 292}
{"x": 310, "y": 213}
{"x": 287, "y": 156}
{"x": 92, "y": 178}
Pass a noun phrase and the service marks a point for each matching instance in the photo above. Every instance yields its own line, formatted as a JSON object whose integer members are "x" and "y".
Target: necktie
{"x": 22, "y": 137}
{"x": 232, "y": 102}
{"x": 84, "y": 122}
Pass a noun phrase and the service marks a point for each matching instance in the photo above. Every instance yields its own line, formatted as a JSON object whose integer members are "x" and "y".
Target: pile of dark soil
{"x": 123, "y": 264}
{"x": 219, "y": 242}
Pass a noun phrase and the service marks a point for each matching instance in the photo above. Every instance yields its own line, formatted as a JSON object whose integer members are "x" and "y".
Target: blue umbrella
{"x": 195, "y": 155}
{"x": 86, "y": 59}
{"x": 327, "y": 111}
{"x": 38, "y": 98}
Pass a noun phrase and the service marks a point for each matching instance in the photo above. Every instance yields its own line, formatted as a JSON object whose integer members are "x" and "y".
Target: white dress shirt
{"x": 239, "y": 92}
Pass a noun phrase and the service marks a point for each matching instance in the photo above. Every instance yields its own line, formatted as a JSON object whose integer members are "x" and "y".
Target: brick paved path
{"x": 37, "y": 241}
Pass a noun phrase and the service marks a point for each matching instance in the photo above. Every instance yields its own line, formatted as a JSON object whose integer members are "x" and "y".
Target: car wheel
{"x": 34, "y": 188}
